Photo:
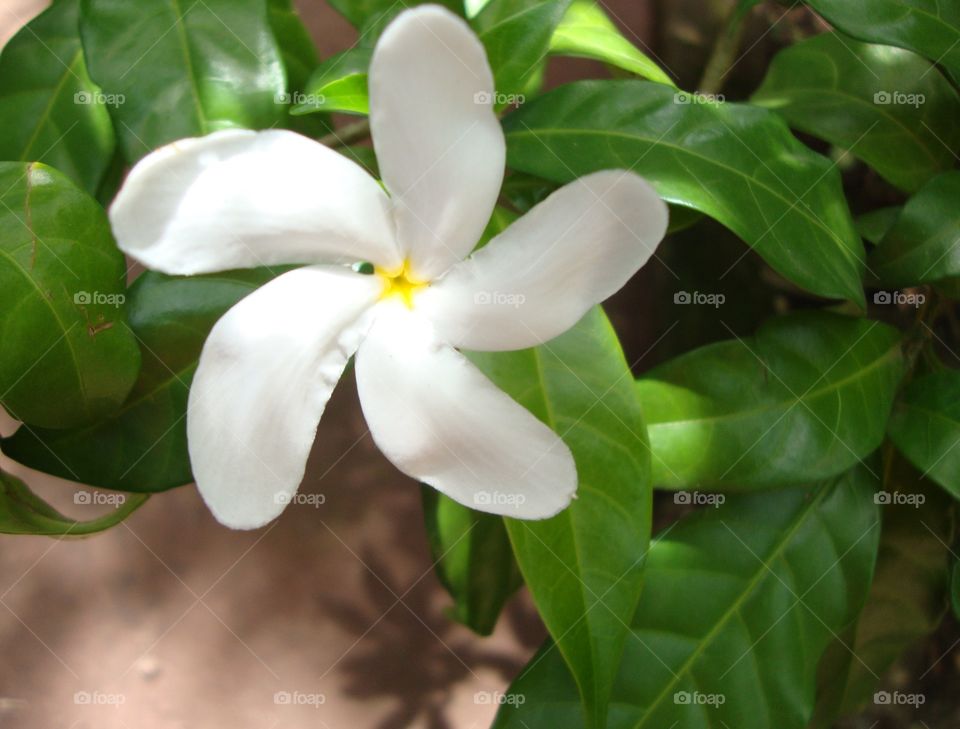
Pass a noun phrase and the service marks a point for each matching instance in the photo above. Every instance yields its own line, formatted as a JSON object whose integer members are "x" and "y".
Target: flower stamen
{"x": 400, "y": 283}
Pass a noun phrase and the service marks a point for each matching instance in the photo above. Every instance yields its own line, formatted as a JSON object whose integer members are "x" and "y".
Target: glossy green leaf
{"x": 585, "y": 565}
{"x": 586, "y": 31}
{"x": 473, "y": 559}
{"x": 929, "y": 27}
{"x": 172, "y": 70}
{"x": 907, "y": 599}
{"x": 339, "y": 84}
{"x": 67, "y": 355}
{"x": 739, "y": 603}
{"x": 736, "y": 163}
{"x": 922, "y": 246}
{"x": 516, "y": 34}
{"x": 886, "y": 106}
{"x": 50, "y": 110}
{"x": 143, "y": 446}
{"x": 807, "y": 397}
{"x": 23, "y": 512}
{"x": 925, "y": 426}
{"x": 300, "y": 58}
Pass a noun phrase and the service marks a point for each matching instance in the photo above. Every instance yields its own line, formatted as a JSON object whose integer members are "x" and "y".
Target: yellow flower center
{"x": 400, "y": 283}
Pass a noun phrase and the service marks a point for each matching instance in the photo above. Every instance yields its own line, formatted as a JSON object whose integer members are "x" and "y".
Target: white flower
{"x": 239, "y": 198}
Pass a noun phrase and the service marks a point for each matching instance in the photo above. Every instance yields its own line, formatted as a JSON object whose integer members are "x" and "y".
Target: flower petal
{"x": 264, "y": 378}
{"x": 441, "y": 421}
{"x": 438, "y": 141}
{"x": 541, "y": 275}
{"x": 240, "y": 199}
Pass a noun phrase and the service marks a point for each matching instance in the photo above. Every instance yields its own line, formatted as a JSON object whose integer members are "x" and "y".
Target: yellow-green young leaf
{"x": 584, "y": 566}
{"x": 143, "y": 446}
{"x": 806, "y": 397}
{"x": 907, "y": 599}
{"x": 338, "y": 84}
{"x": 67, "y": 355}
{"x": 586, "y": 31}
{"x": 172, "y": 70}
{"x": 922, "y": 245}
{"x": 929, "y": 27}
{"x": 50, "y": 110}
{"x": 765, "y": 580}
{"x": 886, "y": 106}
{"x": 23, "y": 512}
{"x": 925, "y": 426}
{"x": 736, "y": 163}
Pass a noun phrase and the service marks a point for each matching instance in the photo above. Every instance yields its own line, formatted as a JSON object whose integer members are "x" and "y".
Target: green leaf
{"x": 67, "y": 355}
{"x": 179, "y": 70}
{"x": 516, "y": 34}
{"x": 873, "y": 226}
{"x": 586, "y": 31}
{"x": 299, "y": 57}
{"x": 929, "y": 27}
{"x": 50, "y": 110}
{"x": 339, "y": 84}
{"x": 955, "y": 589}
{"x": 807, "y": 397}
{"x": 906, "y": 602}
{"x": 922, "y": 245}
{"x": 584, "y": 566}
{"x": 143, "y": 446}
{"x": 472, "y": 558}
{"x": 739, "y": 603}
{"x": 23, "y": 512}
{"x": 736, "y": 163}
{"x": 886, "y": 106}
{"x": 925, "y": 426}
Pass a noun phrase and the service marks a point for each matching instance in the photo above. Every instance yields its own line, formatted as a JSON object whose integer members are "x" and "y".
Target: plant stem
{"x": 347, "y": 135}
{"x": 725, "y": 47}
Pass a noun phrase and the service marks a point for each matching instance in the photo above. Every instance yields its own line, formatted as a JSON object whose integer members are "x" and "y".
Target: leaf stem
{"x": 722, "y": 60}
{"x": 347, "y": 135}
